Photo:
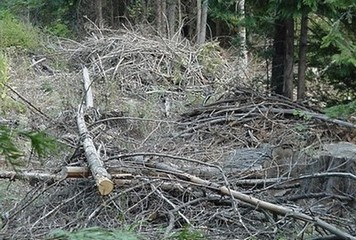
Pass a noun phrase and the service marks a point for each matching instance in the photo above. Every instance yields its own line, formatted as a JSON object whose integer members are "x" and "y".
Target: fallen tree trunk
{"x": 102, "y": 177}
{"x": 89, "y": 101}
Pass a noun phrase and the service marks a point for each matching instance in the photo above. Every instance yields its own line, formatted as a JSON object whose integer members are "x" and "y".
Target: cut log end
{"x": 105, "y": 185}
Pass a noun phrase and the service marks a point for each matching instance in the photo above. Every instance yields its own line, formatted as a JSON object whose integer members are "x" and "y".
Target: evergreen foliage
{"x": 8, "y": 149}
{"x": 42, "y": 144}
{"x": 342, "y": 110}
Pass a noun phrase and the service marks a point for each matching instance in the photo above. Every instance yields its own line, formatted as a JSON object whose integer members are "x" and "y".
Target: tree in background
{"x": 202, "y": 16}
{"x": 325, "y": 31}
{"x": 331, "y": 34}
{"x": 283, "y": 43}
{"x": 242, "y": 34}
{"x": 302, "y": 54}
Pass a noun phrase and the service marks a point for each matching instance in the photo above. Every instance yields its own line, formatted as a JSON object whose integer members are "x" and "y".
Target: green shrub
{"x": 15, "y": 33}
{"x": 59, "y": 29}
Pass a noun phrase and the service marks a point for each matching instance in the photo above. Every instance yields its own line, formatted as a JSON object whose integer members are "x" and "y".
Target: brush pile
{"x": 198, "y": 168}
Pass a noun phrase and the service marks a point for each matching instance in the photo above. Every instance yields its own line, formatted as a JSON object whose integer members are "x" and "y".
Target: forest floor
{"x": 164, "y": 109}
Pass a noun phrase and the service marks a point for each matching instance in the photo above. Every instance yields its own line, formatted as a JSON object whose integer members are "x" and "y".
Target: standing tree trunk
{"x": 121, "y": 11}
{"x": 171, "y": 17}
{"x": 288, "y": 61}
{"x": 99, "y": 13}
{"x": 145, "y": 7}
{"x": 204, "y": 18}
{"x": 198, "y": 28}
{"x": 242, "y": 34}
{"x": 277, "y": 78}
{"x": 164, "y": 29}
{"x": 159, "y": 16}
{"x": 180, "y": 18}
{"x": 303, "y": 45}
{"x": 180, "y": 23}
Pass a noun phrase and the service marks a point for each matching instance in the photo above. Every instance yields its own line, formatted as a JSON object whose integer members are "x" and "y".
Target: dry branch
{"x": 311, "y": 115}
{"x": 278, "y": 209}
{"x": 35, "y": 176}
{"x": 31, "y": 177}
{"x": 27, "y": 101}
{"x": 239, "y": 109}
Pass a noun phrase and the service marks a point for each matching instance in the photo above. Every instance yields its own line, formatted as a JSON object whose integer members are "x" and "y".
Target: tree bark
{"x": 198, "y": 28}
{"x": 164, "y": 29}
{"x": 242, "y": 34}
{"x": 289, "y": 57}
{"x": 277, "y": 78}
{"x": 204, "y": 18}
{"x": 303, "y": 45}
{"x": 171, "y": 17}
{"x": 99, "y": 12}
{"x": 180, "y": 17}
{"x": 159, "y": 16}
{"x": 103, "y": 179}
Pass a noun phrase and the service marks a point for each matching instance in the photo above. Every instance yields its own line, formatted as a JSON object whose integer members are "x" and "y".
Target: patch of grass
{"x": 6, "y": 103}
{"x": 15, "y": 33}
{"x": 94, "y": 233}
{"x": 4, "y": 75}
{"x": 47, "y": 87}
{"x": 188, "y": 234}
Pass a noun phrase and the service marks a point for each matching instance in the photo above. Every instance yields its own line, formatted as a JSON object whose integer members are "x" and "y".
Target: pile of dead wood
{"x": 246, "y": 165}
